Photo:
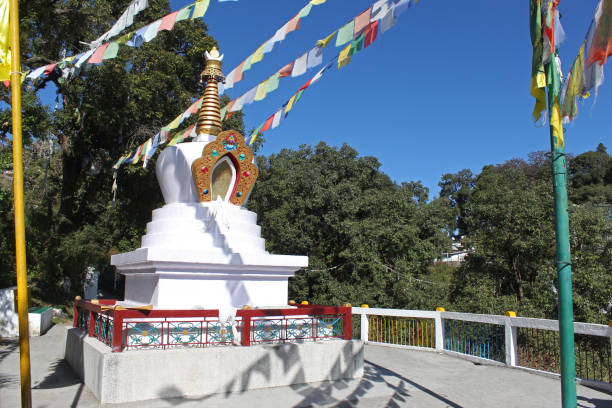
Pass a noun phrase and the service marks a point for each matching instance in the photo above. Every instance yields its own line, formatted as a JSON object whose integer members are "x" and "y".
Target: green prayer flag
{"x": 273, "y": 82}
{"x": 305, "y": 11}
{"x": 345, "y": 34}
{"x": 357, "y": 44}
{"x": 200, "y": 8}
{"x": 298, "y": 96}
{"x": 184, "y": 13}
{"x": 223, "y": 112}
{"x": 110, "y": 51}
{"x": 124, "y": 38}
{"x": 247, "y": 63}
{"x": 553, "y": 77}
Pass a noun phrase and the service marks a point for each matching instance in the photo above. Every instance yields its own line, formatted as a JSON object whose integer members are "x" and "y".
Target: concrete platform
{"x": 392, "y": 378}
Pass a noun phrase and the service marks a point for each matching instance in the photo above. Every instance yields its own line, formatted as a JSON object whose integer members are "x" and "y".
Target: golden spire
{"x": 209, "y": 119}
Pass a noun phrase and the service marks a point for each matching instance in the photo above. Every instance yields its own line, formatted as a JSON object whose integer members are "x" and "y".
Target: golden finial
{"x": 209, "y": 119}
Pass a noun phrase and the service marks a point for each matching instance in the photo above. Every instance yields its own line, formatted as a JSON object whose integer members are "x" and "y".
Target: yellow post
{"x": 22, "y": 283}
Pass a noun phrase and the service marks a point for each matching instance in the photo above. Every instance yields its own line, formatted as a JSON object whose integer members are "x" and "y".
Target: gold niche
{"x": 229, "y": 144}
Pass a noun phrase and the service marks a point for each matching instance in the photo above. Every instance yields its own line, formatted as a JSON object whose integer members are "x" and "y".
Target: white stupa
{"x": 202, "y": 249}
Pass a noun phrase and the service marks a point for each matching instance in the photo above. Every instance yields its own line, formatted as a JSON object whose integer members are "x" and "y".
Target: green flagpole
{"x": 564, "y": 265}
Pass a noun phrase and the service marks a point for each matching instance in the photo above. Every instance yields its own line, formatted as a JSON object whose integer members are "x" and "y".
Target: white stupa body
{"x": 202, "y": 254}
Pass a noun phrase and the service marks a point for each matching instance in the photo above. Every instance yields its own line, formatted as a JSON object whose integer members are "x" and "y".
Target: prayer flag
{"x": 249, "y": 97}
{"x": 357, "y": 44}
{"x": 344, "y": 58}
{"x": 379, "y": 10}
{"x": 5, "y": 52}
{"x": 238, "y": 75}
{"x": 258, "y": 55}
{"x": 289, "y": 105}
{"x": 277, "y": 118}
{"x": 601, "y": 46}
{"x": 229, "y": 79}
{"x": 286, "y": 70}
{"x": 151, "y": 31}
{"x": 268, "y": 46}
{"x": 273, "y": 82}
{"x": 138, "y": 37}
{"x": 553, "y": 76}
{"x": 49, "y": 68}
{"x": 299, "y": 66}
{"x": 255, "y": 133}
{"x": 292, "y": 25}
{"x": 569, "y": 108}
{"x": 200, "y": 8}
{"x": 97, "y": 55}
{"x": 362, "y": 21}
{"x": 123, "y": 40}
{"x": 305, "y": 11}
{"x": 174, "y": 124}
{"x": 315, "y": 57}
{"x": 184, "y": 13}
{"x": 317, "y": 2}
{"x": 246, "y": 65}
{"x": 371, "y": 33}
{"x": 387, "y": 21}
{"x": 111, "y": 51}
{"x": 399, "y": 6}
{"x": 236, "y": 104}
{"x": 345, "y": 34}
{"x": 267, "y": 124}
{"x": 262, "y": 90}
{"x": 223, "y": 112}
{"x": 168, "y": 21}
{"x": 39, "y": 71}
{"x": 325, "y": 41}
{"x": 538, "y": 76}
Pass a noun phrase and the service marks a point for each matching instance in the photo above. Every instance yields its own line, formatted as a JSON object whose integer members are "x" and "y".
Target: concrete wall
{"x": 147, "y": 374}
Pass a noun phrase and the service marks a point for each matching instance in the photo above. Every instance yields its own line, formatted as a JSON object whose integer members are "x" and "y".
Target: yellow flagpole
{"x": 22, "y": 283}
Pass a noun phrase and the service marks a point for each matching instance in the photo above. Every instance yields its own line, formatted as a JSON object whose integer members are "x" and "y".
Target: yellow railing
{"x": 402, "y": 331}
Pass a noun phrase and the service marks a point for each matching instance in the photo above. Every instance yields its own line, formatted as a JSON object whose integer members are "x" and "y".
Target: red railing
{"x": 129, "y": 329}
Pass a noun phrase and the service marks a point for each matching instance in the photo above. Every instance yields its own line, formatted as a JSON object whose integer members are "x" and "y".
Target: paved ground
{"x": 393, "y": 378}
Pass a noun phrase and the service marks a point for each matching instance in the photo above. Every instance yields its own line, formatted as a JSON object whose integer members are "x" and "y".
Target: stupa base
{"x": 193, "y": 372}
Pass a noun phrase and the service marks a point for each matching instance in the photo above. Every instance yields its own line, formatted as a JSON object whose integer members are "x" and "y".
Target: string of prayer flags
{"x": 586, "y": 74}
{"x": 125, "y": 20}
{"x": 109, "y": 50}
{"x": 275, "y": 119}
{"x": 237, "y": 74}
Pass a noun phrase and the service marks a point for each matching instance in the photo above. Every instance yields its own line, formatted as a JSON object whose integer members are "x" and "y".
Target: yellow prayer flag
{"x": 325, "y": 41}
{"x": 200, "y": 8}
{"x": 290, "y": 104}
{"x": 317, "y": 2}
{"x": 262, "y": 91}
{"x": 258, "y": 54}
{"x": 5, "y": 52}
{"x": 555, "y": 123}
{"x": 174, "y": 124}
{"x": 345, "y": 56}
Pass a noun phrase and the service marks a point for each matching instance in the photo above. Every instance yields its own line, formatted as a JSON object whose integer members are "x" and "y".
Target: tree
{"x": 363, "y": 233}
{"x": 590, "y": 174}
{"x": 457, "y": 188}
{"x": 103, "y": 111}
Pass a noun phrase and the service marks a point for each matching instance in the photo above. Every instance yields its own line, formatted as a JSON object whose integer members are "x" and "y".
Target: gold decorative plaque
{"x": 229, "y": 144}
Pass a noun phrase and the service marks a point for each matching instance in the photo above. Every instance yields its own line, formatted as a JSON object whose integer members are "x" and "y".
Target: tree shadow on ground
{"x": 7, "y": 346}
{"x": 60, "y": 376}
{"x": 584, "y": 402}
{"x": 322, "y": 393}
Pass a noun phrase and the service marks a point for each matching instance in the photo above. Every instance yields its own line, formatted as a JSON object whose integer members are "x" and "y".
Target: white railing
{"x": 520, "y": 342}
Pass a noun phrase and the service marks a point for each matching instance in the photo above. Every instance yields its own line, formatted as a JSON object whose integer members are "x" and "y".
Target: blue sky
{"x": 447, "y": 88}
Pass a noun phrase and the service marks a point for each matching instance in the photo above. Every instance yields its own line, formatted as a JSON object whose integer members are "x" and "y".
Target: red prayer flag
{"x": 267, "y": 125}
{"x": 7, "y": 83}
{"x": 97, "y": 56}
{"x": 228, "y": 115}
{"x": 362, "y": 21}
{"x": 286, "y": 70}
{"x": 238, "y": 75}
{"x": 168, "y": 22}
{"x": 371, "y": 33}
{"x": 601, "y": 47}
{"x": 49, "y": 69}
{"x": 194, "y": 107}
{"x": 292, "y": 25}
